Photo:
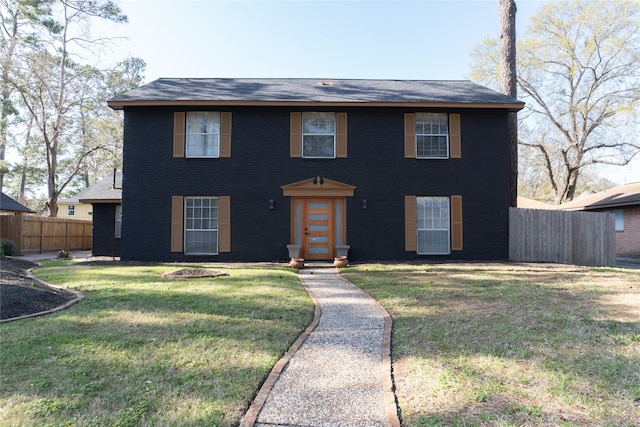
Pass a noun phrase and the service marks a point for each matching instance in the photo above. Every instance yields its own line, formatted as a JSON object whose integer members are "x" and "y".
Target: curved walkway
{"x": 338, "y": 373}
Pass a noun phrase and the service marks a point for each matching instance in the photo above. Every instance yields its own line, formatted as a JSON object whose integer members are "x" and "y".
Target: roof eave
{"x": 121, "y": 104}
{"x": 92, "y": 201}
{"x": 612, "y": 205}
{"x": 18, "y": 210}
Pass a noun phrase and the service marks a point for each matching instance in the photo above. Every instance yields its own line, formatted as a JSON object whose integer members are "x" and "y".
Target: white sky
{"x": 317, "y": 39}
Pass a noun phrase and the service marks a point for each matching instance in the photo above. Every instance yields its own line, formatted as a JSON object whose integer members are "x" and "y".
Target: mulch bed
{"x": 21, "y": 295}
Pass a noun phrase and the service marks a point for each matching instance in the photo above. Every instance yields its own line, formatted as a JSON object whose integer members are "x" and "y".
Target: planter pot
{"x": 296, "y": 263}
{"x": 342, "y": 250}
{"x": 294, "y": 251}
{"x": 341, "y": 261}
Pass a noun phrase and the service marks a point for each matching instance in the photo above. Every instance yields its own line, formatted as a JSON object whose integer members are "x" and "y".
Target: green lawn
{"x": 143, "y": 351}
{"x": 511, "y": 345}
{"x": 473, "y": 345}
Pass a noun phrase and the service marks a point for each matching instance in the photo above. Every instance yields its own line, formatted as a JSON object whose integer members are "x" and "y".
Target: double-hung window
{"x": 318, "y": 135}
{"x": 203, "y": 134}
{"x": 71, "y": 210}
{"x": 433, "y": 225}
{"x": 432, "y": 135}
{"x": 118, "y": 222}
{"x": 201, "y": 225}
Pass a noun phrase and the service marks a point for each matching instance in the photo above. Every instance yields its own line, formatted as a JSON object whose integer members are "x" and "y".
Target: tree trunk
{"x": 571, "y": 188}
{"x": 508, "y": 86}
{"x": 25, "y": 163}
{"x": 23, "y": 184}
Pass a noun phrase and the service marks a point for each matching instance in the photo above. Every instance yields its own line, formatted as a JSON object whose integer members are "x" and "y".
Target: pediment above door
{"x": 318, "y": 187}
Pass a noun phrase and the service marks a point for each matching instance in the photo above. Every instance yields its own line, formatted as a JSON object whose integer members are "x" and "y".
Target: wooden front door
{"x": 319, "y": 225}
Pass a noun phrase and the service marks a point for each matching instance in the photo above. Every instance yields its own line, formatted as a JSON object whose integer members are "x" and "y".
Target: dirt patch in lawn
{"x": 22, "y": 295}
{"x": 193, "y": 273}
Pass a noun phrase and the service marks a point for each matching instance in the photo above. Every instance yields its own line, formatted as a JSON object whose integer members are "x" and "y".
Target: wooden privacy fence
{"x": 566, "y": 237}
{"x": 36, "y": 234}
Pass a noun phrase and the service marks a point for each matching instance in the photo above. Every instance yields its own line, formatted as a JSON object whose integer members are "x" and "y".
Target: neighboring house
{"x": 71, "y": 208}
{"x": 526, "y": 203}
{"x": 242, "y": 169}
{"x": 105, "y": 198}
{"x": 624, "y": 202}
{"x": 10, "y": 206}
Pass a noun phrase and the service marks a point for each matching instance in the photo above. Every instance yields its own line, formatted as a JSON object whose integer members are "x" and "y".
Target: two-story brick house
{"x": 239, "y": 169}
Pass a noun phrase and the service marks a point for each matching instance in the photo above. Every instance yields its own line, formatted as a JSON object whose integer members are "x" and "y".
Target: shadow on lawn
{"x": 572, "y": 326}
{"x": 139, "y": 390}
{"x": 140, "y": 349}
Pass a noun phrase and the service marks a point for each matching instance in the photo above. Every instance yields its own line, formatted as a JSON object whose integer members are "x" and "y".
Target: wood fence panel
{"x": 581, "y": 238}
{"x": 11, "y": 227}
{"x": 39, "y": 234}
{"x": 32, "y": 236}
{"x": 54, "y": 235}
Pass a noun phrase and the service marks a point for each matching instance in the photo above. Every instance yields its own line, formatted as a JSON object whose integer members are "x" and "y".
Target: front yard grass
{"x": 143, "y": 351}
{"x": 511, "y": 344}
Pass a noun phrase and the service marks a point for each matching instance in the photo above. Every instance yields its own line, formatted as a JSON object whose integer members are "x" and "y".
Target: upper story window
{"x": 432, "y": 135}
{"x": 319, "y": 135}
{"x": 203, "y": 134}
{"x": 71, "y": 210}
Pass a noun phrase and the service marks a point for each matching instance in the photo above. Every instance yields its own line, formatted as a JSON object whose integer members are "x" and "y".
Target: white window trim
{"x": 447, "y": 135}
{"x": 186, "y": 230}
{"x": 186, "y": 136}
{"x": 448, "y": 229}
{"x": 303, "y": 134}
{"x": 71, "y": 210}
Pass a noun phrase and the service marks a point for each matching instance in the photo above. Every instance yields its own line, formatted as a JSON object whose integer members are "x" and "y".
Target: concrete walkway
{"x": 338, "y": 373}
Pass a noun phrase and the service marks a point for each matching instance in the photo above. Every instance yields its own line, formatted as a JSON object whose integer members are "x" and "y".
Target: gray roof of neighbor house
{"x": 7, "y": 204}
{"x": 616, "y": 197}
{"x": 339, "y": 92}
{"x": 525, "y": 203}
{"x": 103, "y": 191}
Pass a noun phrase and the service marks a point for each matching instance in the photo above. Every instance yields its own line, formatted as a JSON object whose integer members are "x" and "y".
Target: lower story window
{"x": 433, "y": 225}
{"x": 619, "y": 213}
{"x": 201, "y": 225}
{"x": 118, "y": 222}
{"x": 71, "y": 210}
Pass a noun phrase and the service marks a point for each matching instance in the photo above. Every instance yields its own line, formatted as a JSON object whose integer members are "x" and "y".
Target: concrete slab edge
{"x": 79, "y": 297}
{"x": 251, "y": 416}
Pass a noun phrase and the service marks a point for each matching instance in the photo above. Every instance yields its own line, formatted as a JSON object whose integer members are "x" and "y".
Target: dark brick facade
{"x": 104, "y": 242}
{"x": 260, "y": 165}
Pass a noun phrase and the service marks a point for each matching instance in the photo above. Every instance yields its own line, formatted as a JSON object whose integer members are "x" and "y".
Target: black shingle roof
{"x": 332, "y": 91}
{"x": 103, "y": 191}
{"x": 7, "y": 204}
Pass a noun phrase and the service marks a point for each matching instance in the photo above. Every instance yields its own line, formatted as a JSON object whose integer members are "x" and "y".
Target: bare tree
{"x": 17, "y": 18}
{"x": 579, "y": 72}
{"x": 53, "y": 86}
{"x": 102, "y": 126}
